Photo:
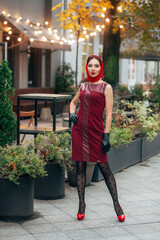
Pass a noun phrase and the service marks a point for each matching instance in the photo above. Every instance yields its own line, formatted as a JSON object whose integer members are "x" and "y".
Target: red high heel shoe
{"x": 121, "y": 218}
{"x": 80, "y": 216}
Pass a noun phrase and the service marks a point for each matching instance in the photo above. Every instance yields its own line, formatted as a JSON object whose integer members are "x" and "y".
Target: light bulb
{"x": 107, "y": 19}
{"x": 19, "y": 39}
{"x": 7, "y": 38}
{"x": 27, "y": 21}
{"x": 46, "y": 22}
{"x": 3, "y": 12}
{"x": 10, "y": 32}
{"x": 5, "y": 22}
{"x": 61, "y": 42}
{"x": 31, "y": 39}
{"x": 104, "y": 9}
{"x": 38, "y": 24}
{"x": 119, "y": 8}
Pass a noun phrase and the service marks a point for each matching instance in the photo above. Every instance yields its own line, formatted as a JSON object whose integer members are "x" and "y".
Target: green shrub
{"x": 156, "y": 92}
{"x": 7, "y": 116}
{"x": 54, "y": 147}
{"x": 20, "y": 161}
{"x": 64, "y": 79}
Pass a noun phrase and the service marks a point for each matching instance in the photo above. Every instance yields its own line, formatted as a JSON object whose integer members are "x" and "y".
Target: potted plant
{"x": 18, "y": 166}
{"x": 55, "y": 150}
{"x": 132, "y": 139}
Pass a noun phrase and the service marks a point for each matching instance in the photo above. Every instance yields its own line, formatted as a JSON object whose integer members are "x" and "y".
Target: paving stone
{"x": 149, "y": 236}
{"x": 83, "y": 234}
{"x": 40, "y": 228}
{"x": 20, "y": 237}
{"x": 110, "y": 231}
{"x": 138, "y": 228}
{"x": 52, "y": 236}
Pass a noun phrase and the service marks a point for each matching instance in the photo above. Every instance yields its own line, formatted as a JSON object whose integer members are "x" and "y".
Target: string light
{"x": 8, "y": 15}
{"x": 27, "y": 21}
{"x": 119, "y": 8}
{"x": 44, "y": 38}
{"x": 53, "y": 31}
{"x": 19, "y": 19}
{"x": 19, "y": 39}
{"x": 8, "y": 38}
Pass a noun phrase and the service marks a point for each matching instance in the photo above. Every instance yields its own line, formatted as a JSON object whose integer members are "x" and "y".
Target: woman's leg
{"x": 81, "y": 183}
{"x": 111, "y": 184}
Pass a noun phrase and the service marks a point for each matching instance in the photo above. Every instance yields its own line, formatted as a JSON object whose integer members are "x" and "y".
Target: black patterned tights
{"x": 109, "y": 180}
{"x": 81, "y": 183}
{"x": 111, "y": 184}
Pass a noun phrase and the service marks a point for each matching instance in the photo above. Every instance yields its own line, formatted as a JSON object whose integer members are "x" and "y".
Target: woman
{"x": 90, "y": 141}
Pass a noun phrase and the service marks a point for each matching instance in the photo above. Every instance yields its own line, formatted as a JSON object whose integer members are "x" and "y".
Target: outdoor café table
{"x": 34, "y": 130}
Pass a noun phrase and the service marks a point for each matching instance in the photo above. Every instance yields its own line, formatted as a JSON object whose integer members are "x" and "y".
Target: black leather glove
{"x": 73, "y": 118}
{"x": 105, "y": 144}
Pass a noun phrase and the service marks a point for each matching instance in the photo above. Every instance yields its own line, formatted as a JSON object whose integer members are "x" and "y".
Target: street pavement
{"x": 139, "y": 195}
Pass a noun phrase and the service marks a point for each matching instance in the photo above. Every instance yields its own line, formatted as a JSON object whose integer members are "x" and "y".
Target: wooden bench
{"x": 29, "y": 105}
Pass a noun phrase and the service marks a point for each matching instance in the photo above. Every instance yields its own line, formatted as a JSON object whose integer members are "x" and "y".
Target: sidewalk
{"x": 139, "y": 195}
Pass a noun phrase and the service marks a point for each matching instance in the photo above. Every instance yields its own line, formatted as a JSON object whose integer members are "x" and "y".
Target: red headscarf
{"x": 100, "y": 75}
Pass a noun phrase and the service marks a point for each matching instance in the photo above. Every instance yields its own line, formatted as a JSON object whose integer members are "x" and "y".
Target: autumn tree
{"x": 122, "y": 20}
{"x": 76, "y": 18}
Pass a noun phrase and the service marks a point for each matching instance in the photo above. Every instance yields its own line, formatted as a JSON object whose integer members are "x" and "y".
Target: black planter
{"x": 150, "y": 149}
{"x": 72, "y": 174}
{"x": 16, "y": 201}
{"x": 122, "y": 157}
{"x": 51, "y": 186}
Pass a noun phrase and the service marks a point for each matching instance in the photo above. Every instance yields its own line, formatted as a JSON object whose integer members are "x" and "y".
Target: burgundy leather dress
{"x": 87, "y": 133}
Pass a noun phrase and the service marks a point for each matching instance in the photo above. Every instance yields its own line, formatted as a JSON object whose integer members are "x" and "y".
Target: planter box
{"x": 51, "y": 186}
{"x": 150, "y": 149}
{"x": 89, "y": 173}
{"x": 122, "y": 157}
{"x": 16, "y": 201}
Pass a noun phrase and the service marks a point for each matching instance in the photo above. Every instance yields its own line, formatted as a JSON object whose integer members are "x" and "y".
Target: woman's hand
{"x": 73, "y": 118}
{"x": 105, "y": 144}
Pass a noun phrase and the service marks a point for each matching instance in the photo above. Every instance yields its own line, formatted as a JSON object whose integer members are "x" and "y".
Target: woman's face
{"x": 93, "y": 67}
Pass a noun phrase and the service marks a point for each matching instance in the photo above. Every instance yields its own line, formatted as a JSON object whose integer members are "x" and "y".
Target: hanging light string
{"x": 45, "y": 33}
